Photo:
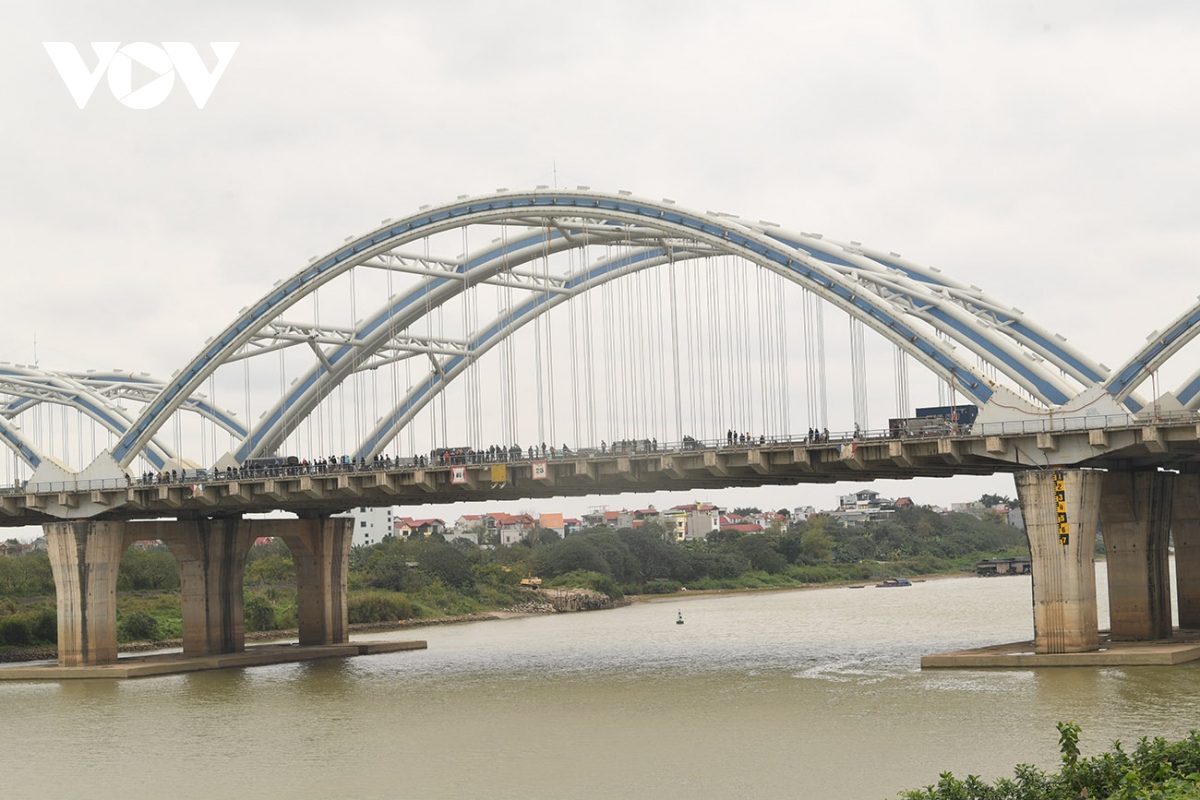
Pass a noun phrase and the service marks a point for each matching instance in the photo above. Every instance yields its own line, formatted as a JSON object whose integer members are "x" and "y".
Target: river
{"x": 813, "y": 693}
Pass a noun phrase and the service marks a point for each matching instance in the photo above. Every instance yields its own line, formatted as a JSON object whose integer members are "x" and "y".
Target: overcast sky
{"x": 1046, "y": 152}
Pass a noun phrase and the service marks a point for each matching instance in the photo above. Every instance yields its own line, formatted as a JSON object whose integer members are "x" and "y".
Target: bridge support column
{"x": 212, "y": 567}
{"x": 321, "y": 550}
{"x": 1061, "y": 509}
{"x": 1135, "y": 516}
{"x": 1185, "y": 529}
{"x": 84, "y": 557}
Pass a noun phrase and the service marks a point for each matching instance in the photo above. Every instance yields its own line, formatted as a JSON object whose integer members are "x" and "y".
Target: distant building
{"x": 468, "y": 521}
{"x": 644, "y": 514}
{"x": 861, "y": 507}
{"x": 766, "y": 519}
{"x": 406, "y": 527}
{"x": 508, "y": 528}
{"x": 693, "y": 521}
{"x": 371, "y": 525}
{"x": 553, "y": 522}
{"x": 802, "y": 513}
{"x": 612, "y": 519}
{"x": 974, "y": 508}
{"x": 1011, "y": 515}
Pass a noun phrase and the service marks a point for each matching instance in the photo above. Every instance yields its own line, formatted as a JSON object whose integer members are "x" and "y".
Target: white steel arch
{"x": 885, "y": 292}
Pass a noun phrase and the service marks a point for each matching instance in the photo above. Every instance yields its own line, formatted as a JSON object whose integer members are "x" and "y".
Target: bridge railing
{"x": 1054, "y": 424}
{"x": 47, "y": 487}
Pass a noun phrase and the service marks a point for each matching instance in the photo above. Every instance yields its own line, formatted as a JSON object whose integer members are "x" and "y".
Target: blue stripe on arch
{"x": 1162, "y": 343}
{"x": 22, "y": 449}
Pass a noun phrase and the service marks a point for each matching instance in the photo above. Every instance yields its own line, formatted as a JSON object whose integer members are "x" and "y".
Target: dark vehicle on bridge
{"x": 934, "y": 421}
{"x": 270, "y": 462}
{"x": 634, "y": 446}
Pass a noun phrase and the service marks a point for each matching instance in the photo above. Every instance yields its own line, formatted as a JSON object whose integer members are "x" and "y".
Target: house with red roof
{"x": 508, "y": 528}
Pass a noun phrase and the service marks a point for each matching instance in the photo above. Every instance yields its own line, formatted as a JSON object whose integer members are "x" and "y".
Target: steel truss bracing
{"x": 947, "y": 327}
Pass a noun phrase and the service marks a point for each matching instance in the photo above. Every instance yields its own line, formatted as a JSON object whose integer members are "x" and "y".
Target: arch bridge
{"x": 433, "y": 357}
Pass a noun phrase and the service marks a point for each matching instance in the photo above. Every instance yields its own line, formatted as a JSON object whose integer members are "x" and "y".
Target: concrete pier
{"x": 212, "y": 565}
{"x": 1135, "y": 517}
{"x": 321, "y": 549}
{"x": 1061, "y": 512}
{"x": 1185, "y": 530}
{"x": 85, "y": 557}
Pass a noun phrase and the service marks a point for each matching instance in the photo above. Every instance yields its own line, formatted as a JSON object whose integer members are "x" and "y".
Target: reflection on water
{"x": 813, "y": 693}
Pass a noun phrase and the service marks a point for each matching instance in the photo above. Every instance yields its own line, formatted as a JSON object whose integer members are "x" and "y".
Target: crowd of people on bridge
{"x": 290, "y": 466}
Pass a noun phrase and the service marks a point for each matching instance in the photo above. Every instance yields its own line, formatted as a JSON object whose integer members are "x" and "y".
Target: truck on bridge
{"x": 934, "y": 421}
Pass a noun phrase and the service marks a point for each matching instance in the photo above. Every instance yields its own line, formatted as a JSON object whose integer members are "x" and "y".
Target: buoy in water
{"x": 679, "y": 621}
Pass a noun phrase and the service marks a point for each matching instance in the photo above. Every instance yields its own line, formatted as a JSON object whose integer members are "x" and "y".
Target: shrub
{"x": 138, "y": 626}
{"x": 259, "y": 614}
{"x": 448, "y": 565}
{"x": 378, "y": 607}
{"x": 45, "y": 626}
{"x": 583, "y": 579}
{"x": 15, "y": 631}
{"x": 1156, "y": 769}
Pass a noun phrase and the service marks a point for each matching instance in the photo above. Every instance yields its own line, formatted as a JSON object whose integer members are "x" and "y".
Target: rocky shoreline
{"x": 548, "y": 601}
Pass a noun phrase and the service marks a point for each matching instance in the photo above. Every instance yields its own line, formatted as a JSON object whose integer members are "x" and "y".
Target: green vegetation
{"x": 1155, "y": 770}
{"x": 401, "y": 579}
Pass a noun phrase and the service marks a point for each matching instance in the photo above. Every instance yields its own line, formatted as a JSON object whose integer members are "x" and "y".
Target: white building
{"x": 861, "y": 507}
{"x": 371, "y": 525}
{"x": 802, "y": 513}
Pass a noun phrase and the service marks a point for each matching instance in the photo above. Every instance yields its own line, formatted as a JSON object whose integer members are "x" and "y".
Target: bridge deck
{"x": 1168, "y": 444}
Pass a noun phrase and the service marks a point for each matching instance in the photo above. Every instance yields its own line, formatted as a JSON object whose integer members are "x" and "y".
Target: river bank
{"x": 548, "y": 601}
